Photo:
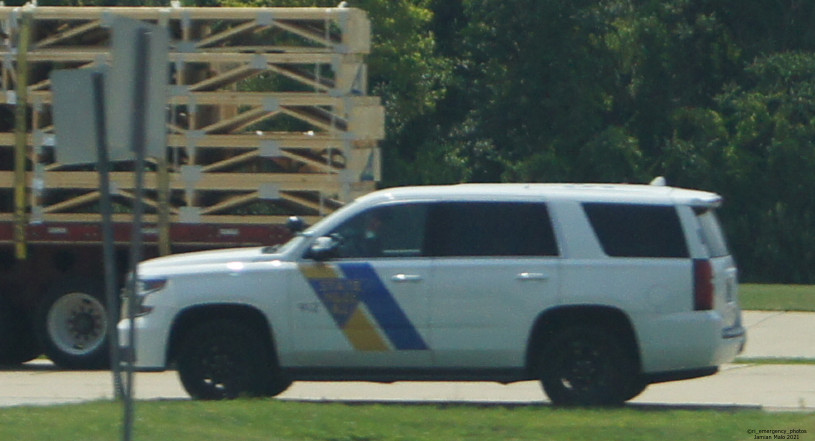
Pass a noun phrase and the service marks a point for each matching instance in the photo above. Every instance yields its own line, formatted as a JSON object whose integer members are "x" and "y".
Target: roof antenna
{"x": 659, "y": 181}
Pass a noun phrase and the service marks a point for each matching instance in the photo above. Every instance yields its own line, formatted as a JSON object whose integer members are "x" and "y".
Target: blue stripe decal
{"x": 339, "y": 296}
{"x": 384, "y": 308}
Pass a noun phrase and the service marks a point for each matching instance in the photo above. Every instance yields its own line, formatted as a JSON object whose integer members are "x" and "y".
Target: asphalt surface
{"x": 773, "y": 387}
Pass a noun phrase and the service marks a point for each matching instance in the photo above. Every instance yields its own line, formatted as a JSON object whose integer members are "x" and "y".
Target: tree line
{"x": 712, "y": 94}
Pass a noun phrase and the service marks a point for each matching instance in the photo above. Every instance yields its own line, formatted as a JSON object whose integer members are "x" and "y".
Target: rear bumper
{"x": 688, "y": 342}
{"x": 738, "y": 332}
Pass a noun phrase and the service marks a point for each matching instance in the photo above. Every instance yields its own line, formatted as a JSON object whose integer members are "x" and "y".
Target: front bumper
{"x": 149, "y": 348}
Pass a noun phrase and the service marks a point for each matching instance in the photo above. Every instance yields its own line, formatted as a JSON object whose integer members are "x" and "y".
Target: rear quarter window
{"x": 627, "y": 230}
{"x": 711, "y": 232}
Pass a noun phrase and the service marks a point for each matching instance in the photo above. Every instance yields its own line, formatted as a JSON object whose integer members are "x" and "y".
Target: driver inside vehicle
{"x": 362, "y": 235}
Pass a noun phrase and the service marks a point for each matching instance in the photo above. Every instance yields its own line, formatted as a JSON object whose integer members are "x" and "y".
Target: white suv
{"x": 595, "y": 290}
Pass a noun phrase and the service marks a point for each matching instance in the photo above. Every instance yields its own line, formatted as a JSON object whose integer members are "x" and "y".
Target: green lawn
{"x": 270, "y": 420}
{"x": 761, "y": 297}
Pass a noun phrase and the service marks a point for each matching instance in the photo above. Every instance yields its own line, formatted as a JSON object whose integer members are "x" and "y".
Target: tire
{"x": 72, "y": 325}
{"x": 587, "y": 366}
{"x": 636, "y": 387}
{"x": 18, "y": 344}
{"x": 225, "y": 359}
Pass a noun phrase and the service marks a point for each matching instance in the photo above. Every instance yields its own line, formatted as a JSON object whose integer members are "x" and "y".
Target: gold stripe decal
{"x": 362, "y": 334}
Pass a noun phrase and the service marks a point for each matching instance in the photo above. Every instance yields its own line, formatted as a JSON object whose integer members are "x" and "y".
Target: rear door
{"x": 496, "y": 269}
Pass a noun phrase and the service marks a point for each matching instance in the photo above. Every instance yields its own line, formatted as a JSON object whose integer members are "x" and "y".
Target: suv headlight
{"x": 149, "y": 286}
{"x": 144, "y": 288}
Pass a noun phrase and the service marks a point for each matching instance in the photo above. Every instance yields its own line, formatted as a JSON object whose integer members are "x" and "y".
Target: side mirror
{"x": 295, "y": 224}
{"x": 324, "y": 248}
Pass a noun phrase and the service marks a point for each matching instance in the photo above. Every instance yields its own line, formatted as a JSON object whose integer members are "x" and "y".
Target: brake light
{"x": 703, "y": 290}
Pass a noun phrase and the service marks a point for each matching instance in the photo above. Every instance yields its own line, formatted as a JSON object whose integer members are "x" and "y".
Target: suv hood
{"x": 206, "y": 258}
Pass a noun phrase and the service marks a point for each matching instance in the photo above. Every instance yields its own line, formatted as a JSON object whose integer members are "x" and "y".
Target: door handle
{"x": 531, "y": 276}
{"x": 406, "y": 278}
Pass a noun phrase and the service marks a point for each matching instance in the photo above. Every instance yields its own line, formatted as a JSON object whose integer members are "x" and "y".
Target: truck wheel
{"x": 72, "y": 325}
{"x": 586, "y": 366}
{"x": 17, "y": 341}
{"x": 225, "y": 359}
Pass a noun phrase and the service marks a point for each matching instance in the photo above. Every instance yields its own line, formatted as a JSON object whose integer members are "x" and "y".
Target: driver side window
{"x": 384, "y": 232}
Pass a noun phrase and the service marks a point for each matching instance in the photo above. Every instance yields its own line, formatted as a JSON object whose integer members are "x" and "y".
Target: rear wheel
{"x": 225, "y": 359}
{"x": 587, "y": 366}
{"x": 72, "y": 325}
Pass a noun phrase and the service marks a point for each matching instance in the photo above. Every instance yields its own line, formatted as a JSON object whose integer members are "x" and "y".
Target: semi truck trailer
{"x": 267, "y": 117}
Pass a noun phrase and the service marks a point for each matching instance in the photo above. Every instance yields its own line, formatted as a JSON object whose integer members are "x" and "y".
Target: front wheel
{"x": 224, "y": 359}
{"x": 72, "y": 325}
{"x": 587, "y": 366}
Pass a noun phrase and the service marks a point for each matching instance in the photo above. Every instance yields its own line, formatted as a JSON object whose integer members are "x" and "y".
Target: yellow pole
{"x": 21, "y": 140}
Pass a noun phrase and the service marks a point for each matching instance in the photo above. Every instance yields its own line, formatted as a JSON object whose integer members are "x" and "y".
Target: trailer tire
{"x": 72, "y": 325}
{"x": 18, "y": 344}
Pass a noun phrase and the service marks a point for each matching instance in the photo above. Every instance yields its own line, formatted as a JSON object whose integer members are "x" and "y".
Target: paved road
{"x": 772, "y": 387}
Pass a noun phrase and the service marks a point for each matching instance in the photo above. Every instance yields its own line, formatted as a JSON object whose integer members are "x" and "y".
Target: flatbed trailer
{"x": 267, "y": 118}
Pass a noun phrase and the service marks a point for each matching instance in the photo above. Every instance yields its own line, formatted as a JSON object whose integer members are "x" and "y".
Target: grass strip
{"x": 764, "y": 297}
{"x": 274, "y": 420}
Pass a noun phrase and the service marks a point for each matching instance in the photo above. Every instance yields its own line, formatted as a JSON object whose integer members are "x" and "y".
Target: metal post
{"x": 108, "y": 250}
{"x": 138, "y": 145}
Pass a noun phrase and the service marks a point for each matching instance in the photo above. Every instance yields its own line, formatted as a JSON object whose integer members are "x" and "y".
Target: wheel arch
{"x": 552, "y": 320}
{"x": 245, "y": 314}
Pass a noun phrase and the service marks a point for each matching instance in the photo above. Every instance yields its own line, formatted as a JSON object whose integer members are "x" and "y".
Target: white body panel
{"x": 482, "y": 309}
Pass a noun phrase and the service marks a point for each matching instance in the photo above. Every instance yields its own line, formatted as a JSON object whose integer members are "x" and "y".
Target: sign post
{"x": 83, "y": 140}
{"x": 138, "y": 100}
{"x": 129, "y": 116}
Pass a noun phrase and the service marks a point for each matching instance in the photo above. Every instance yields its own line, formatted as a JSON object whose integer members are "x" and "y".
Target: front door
{"x": 369, "y": 306}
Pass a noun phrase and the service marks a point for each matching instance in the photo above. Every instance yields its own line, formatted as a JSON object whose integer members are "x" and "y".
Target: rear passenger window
{"x": 490, "y": 229}
{"x": 626, "y": 230}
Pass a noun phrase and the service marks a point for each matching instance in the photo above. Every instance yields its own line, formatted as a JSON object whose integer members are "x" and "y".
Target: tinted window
{"x": 387, "y": 231}
{"x": 490, "y": 229}
{"x": 626, "y": 230}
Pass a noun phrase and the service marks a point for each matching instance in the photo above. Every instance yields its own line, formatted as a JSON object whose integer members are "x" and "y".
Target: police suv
{"x": 594, "y": 290}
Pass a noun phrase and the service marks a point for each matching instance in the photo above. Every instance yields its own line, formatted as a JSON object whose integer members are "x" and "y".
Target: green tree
{"x": 532, "y": 80}
{"x": 672, "y": 57}
{"x": 764, "y": 27}
{"x": 770, "y": 161}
